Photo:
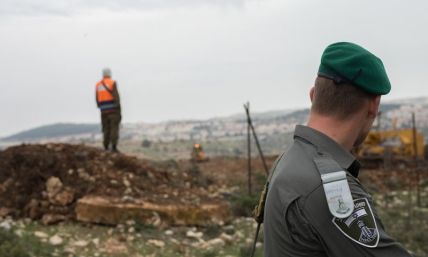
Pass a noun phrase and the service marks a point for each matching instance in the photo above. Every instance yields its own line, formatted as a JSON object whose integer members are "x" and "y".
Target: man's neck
{"x": 342, "y": 132}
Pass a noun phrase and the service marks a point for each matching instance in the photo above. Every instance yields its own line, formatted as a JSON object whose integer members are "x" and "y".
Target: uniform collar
{"x": 325, "y": 144}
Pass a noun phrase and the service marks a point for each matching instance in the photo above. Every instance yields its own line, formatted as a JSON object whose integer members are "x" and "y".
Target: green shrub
{"x": 243, "y": 204}
{"x": 213, "y": 231}
{"x": 141, "y": 226}
{"x": 146, "y": 143}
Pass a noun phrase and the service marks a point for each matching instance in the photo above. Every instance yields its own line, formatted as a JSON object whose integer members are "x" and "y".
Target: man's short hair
{"x": 107, "y": 72}
{"x": 338, "y": 100}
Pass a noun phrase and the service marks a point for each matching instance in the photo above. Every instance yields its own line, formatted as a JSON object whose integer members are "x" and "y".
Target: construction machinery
{"x": 198, "y": 153}
{"x": 401, "y": 142}
{"x": 396, "y": 145}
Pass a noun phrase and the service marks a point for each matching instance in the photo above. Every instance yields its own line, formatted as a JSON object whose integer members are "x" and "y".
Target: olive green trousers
{"x": 110, "y": 124}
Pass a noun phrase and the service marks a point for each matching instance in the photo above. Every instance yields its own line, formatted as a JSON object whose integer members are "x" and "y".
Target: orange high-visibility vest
{"x": 105, "y": 94}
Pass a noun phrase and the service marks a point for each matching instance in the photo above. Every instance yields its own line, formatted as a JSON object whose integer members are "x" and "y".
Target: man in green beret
{"x": 316, "y": 205}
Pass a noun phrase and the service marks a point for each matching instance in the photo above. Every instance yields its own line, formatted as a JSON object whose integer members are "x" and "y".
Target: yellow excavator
{"x": 198, "y": 154}
{"x": 399, "y": 142}
{"x": 394, "y": 144}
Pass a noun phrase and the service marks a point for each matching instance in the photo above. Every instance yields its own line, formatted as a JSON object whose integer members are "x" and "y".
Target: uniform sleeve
{"x": 305, "y": 239}
{"x": 386, "y": 245}
{"x": 116, "y": 96}
{"x": 360, "y": 234}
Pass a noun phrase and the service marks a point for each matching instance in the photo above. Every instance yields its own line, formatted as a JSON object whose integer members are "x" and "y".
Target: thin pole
{"x": 250, "y": 126}
{"x": 259, "y": 148}
{"x": 253, "y": 249}
{"x": 256, "y": 139}
{"x": 247, "y": 109}
{"x": 415, "y": 148}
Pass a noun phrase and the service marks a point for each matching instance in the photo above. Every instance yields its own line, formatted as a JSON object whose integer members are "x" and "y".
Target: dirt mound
{"x": 36, "y": 180}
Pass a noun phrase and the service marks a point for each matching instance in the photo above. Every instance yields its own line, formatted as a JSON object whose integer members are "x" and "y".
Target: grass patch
{"x": 12, "y": 245}
{"x": 407, "y": 224}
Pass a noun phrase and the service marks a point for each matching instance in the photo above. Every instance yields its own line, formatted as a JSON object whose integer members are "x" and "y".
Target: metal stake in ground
{"x": 247, "y": 110}
{"x": 260, "y": 208}
{"x": 415, "y": 148}
{"x": 256, "y": 139}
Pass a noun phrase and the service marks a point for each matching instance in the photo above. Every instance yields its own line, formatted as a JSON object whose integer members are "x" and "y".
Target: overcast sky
{"x": 180, "y": 59}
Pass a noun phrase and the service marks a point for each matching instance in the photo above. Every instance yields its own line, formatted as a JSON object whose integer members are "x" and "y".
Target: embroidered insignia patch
{"x": 337, "y": 193}
{"x": 360, "y": 226}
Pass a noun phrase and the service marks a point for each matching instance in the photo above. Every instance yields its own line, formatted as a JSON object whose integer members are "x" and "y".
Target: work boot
{"x": 114, "y": 149}
{"x": 106, "y": 147}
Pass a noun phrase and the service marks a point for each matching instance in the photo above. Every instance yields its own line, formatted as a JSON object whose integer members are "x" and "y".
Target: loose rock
{"x": 96, "y": 241}
{"x": 6, "y": 225}
{"x": 169, "y": 232}
{"x": 40, "y": 234}
{"x": 193, "y": 234}
{"x": 227, "y": 238}
{"x": 53, "y": 186}
{"x": 157, "y": 243}
{"x": 213, "y": 243}
{"x": 55, "y": 240}
{"x": 80, "y": 243}
{"x": 63, "y": 197}
{"x": 50, "y": 219}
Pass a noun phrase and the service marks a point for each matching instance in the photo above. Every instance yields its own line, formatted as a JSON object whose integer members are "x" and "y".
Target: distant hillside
{"x": 54, "y": 130}
{"x": 389, "y": 107}
{"x": 272, "y": 124}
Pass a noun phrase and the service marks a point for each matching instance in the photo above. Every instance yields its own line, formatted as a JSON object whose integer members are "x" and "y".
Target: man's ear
{"x": 374, "y": 104}
{"x": 311, "y": 94}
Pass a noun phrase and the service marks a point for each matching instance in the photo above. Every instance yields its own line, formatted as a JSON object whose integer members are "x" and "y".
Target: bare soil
{"x": 83, "y": 170}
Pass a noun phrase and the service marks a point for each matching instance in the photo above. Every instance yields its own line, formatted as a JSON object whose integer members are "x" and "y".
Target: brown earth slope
{"x": 36, "y": 180}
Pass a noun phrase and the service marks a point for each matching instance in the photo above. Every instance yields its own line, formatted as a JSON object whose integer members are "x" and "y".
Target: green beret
{"x": 346, "y": 62}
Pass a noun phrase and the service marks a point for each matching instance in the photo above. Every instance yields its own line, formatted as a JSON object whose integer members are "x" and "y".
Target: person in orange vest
{"x": 108, "y": 101}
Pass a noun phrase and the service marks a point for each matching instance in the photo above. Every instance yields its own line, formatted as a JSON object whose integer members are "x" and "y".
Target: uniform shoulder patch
{"x": 361, "y": 225}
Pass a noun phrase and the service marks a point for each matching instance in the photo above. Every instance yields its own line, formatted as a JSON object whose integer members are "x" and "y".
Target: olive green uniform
{"x": 110, "y": 121}
{"x": 110, "y": 125}
{"x": 297, "y": 220}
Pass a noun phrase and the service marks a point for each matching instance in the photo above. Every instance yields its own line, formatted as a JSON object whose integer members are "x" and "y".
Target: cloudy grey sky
{"x": 180, "y": 59}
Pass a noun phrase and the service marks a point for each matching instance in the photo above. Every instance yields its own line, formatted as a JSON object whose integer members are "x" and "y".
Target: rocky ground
{"x": 43, "y": 184}
{"x": 47, "y": 182}
{"x": 129, "y": 239}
